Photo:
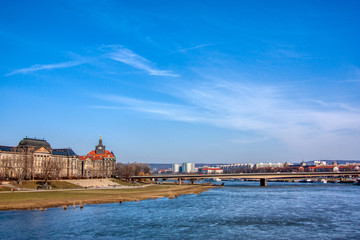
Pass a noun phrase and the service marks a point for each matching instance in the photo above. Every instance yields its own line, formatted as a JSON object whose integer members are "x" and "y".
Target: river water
{"x": 240, "y": 210}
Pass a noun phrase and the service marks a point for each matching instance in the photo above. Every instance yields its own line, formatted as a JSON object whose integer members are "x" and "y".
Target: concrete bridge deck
{"x": 261, "y": 176}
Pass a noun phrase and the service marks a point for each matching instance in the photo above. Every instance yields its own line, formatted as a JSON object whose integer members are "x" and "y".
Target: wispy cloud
{"x": 266, "y": 111}
{"x": 39, "y": 67}
{"x": 118, "y": 53}
{"x": 130, "y": 58}
{"x": 247, "y": 107}
{"x": 165, "y": 110}
{"x": 195, "y": 47}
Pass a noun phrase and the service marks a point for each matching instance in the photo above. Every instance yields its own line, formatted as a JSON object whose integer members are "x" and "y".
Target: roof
{"x": 94, "y": 156}
{"x": 322, "y": 167}
{"x": 7, "y": 149}
{"x": 33, "y": 142}
{"x": 64, "y": 152}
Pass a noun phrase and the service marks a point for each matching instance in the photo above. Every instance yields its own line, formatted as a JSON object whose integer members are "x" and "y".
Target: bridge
{"x": 263, "y": 177}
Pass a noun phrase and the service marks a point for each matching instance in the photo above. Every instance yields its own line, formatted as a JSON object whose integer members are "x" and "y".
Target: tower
{"x": 100, "y": 148}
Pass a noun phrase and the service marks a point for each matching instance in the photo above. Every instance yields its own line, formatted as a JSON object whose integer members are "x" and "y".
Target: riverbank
{"x": 48, "y": 199}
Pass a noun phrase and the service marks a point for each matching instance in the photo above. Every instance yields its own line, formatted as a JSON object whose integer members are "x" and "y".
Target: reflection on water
{"x": 240, "y": 210}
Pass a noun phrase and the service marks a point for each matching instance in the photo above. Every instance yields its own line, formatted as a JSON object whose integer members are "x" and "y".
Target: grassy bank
{"x": 53, "y": 183}
{"x": 4, "y": 188}
{"x": 46, "y": 199}
{"x": 124, "y": 183}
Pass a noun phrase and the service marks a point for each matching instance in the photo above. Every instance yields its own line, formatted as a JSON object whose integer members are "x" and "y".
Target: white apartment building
{"x": 188, "y": 167}
{"x": 175, "y": 168}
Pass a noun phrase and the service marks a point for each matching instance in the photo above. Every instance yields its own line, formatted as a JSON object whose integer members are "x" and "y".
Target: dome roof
{"x": 33, "y": 142}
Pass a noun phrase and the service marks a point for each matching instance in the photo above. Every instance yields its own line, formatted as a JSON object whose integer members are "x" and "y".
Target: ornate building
{"x": 98, "y": 162}
{"x": 35, "y": 158}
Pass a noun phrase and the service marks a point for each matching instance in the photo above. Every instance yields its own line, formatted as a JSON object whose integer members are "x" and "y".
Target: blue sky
{"x": 174, "y": 81}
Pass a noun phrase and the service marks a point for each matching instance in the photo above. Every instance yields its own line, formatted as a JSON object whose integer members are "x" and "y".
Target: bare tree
{"x": 125, "y": 170}
{"x": 118, "y": 169}
{"x": 136, "y": 168}
{"x": 3, "y": 167}
{"x": 131, "y": 169}
{"x": 128, "y": 170}
{"x": 11, "y": 166}
{"x": 57, "y": 166}
{"x": 46, "y": 169}
{"x": 19, "y": 167}
{"x": 145, "y": 168}
{"x": 27, "y": 165}
{"x": 51, "y": 168}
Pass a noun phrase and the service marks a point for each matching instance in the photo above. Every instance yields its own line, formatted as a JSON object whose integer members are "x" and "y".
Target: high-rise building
{"x": 175, "y": 167}
{"x": 188, "y": 167}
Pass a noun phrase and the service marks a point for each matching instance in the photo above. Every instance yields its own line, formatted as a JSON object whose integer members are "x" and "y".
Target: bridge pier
{"x": 179, "y": 181}
{"x": 263, "y": 182}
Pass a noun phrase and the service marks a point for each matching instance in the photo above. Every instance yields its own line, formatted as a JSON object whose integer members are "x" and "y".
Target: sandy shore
{"x": 48, "y": 199}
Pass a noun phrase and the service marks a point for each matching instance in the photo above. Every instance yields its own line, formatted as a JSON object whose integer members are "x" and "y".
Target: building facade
{"x": 36, "y": 159}
{"x": 98, "y": 163}
{"x": 188, "y": 167}
{"x": 211, "y": 170}
{"x": 175, "y": 168}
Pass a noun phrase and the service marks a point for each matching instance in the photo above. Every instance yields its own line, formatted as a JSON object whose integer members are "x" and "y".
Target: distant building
{"x": 246, "y": 165}
{"x": 164, "y": 171}
{"x": 269, "y": 165}
{"x": 320, "y": 163}
{"x": 210, "y": 170}
{"x": 175, "y": 168}
{"x": 188, "y": 167}
{"x": 333, "y": 168}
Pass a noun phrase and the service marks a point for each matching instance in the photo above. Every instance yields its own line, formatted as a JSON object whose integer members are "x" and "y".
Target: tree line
{"x": 125, "y": 171}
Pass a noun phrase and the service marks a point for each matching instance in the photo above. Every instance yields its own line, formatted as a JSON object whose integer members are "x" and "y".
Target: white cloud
{"x": 266, "y": 111}
{"x": 118, "y": 53}
{"x": 39, "y": 67}
{"x": 165, "y": 110}
{"x": 128, "y": 57}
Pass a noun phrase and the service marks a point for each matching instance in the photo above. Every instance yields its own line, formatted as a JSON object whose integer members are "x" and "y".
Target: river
{"x": 240, "y": 210}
